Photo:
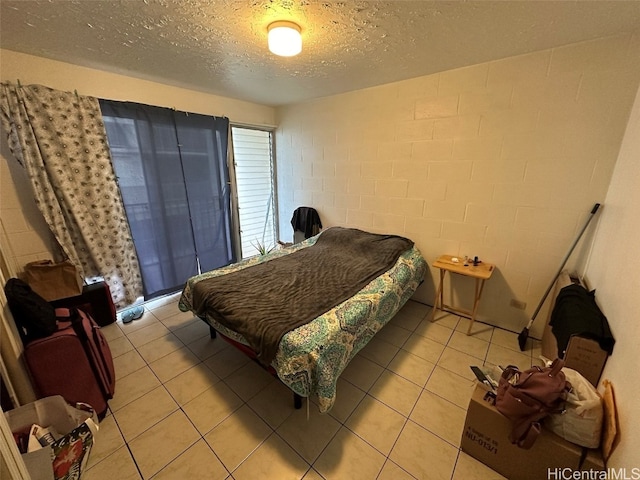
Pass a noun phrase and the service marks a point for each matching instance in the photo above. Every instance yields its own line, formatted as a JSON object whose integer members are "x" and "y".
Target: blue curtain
{"x": 173, "y": 176}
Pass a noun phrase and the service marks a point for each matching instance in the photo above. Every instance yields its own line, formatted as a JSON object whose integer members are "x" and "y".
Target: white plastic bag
{"x": 581, "y": 422}
{"x": 76, "y": 426}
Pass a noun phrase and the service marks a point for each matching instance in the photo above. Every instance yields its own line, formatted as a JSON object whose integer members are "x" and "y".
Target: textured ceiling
{"x": 219, "y": 46}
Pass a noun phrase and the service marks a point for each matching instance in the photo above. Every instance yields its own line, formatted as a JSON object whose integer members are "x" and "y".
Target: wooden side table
{"x": 481, "y": 272}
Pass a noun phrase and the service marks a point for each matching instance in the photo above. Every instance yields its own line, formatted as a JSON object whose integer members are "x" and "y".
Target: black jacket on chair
{"x": 307, "y": 220}
{"x": 576, "y": 313}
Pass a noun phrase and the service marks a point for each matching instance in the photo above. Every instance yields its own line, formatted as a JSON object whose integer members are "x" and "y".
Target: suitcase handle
{"x": 66, "y": 314}
{"x": 63, "y": 312}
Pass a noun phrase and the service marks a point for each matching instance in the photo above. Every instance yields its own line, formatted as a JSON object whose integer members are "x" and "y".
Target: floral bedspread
{"x": 311, "y": 358}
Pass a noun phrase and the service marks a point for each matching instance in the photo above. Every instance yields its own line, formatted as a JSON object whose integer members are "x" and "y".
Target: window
{"x": 254, "y": 173}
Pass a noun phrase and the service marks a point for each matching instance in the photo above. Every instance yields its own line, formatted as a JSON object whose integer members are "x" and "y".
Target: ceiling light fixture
{"x": 284, "y": 38}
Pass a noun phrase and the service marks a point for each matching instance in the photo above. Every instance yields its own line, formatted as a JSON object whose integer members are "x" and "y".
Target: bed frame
{"x": 297, "y": 399}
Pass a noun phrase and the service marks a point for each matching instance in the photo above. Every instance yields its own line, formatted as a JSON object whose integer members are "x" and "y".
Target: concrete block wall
{"x": 24, "y": 232}
{"x": 503, "y": 160}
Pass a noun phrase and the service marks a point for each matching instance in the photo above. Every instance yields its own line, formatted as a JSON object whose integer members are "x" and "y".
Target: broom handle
{"x": 564, "y": 261}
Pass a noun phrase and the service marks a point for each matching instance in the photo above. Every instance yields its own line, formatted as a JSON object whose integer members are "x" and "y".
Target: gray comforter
{"x": 267, "y": 300}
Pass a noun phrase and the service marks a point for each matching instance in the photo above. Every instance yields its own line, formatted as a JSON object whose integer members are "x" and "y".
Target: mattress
{"x": 310, "y": 358}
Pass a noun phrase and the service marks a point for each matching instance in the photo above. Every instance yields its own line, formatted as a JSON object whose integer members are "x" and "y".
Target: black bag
{"x": 34, "y": 316}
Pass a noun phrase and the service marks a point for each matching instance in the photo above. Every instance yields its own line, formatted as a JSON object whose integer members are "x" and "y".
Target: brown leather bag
{"x": 527, "y": 397}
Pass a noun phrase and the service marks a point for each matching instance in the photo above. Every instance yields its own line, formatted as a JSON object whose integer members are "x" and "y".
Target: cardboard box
{"x": 486, "y": 438}
{"x": 593, "y": 460}
{"x": 585, "y": 356}
{"x": 50, "y": 412}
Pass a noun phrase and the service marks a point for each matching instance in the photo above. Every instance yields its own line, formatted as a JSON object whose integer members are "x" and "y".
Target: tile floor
{"x": 190, "y": 407}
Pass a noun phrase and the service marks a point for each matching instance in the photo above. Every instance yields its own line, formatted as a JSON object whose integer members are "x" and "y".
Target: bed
{"x": 311, "y": 352}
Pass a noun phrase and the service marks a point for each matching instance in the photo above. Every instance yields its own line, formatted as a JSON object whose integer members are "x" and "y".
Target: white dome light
{"x": 284, "y": 38}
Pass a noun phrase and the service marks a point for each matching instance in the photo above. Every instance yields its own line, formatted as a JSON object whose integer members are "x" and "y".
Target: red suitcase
{"x": 74, "y": 362}
{"x": 95, "y": 300}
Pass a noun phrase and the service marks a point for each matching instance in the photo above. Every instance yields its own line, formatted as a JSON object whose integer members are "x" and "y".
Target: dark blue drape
{"x": 173, "y": 176}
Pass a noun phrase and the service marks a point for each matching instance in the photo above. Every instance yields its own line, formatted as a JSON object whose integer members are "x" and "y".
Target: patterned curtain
{"x": 60, "y": 139}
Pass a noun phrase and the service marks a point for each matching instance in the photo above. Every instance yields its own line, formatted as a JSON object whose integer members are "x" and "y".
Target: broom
{"x": 524, "y": 334}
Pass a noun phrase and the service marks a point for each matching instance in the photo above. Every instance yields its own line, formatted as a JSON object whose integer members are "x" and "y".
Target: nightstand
{"x": 481, "y": 273}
